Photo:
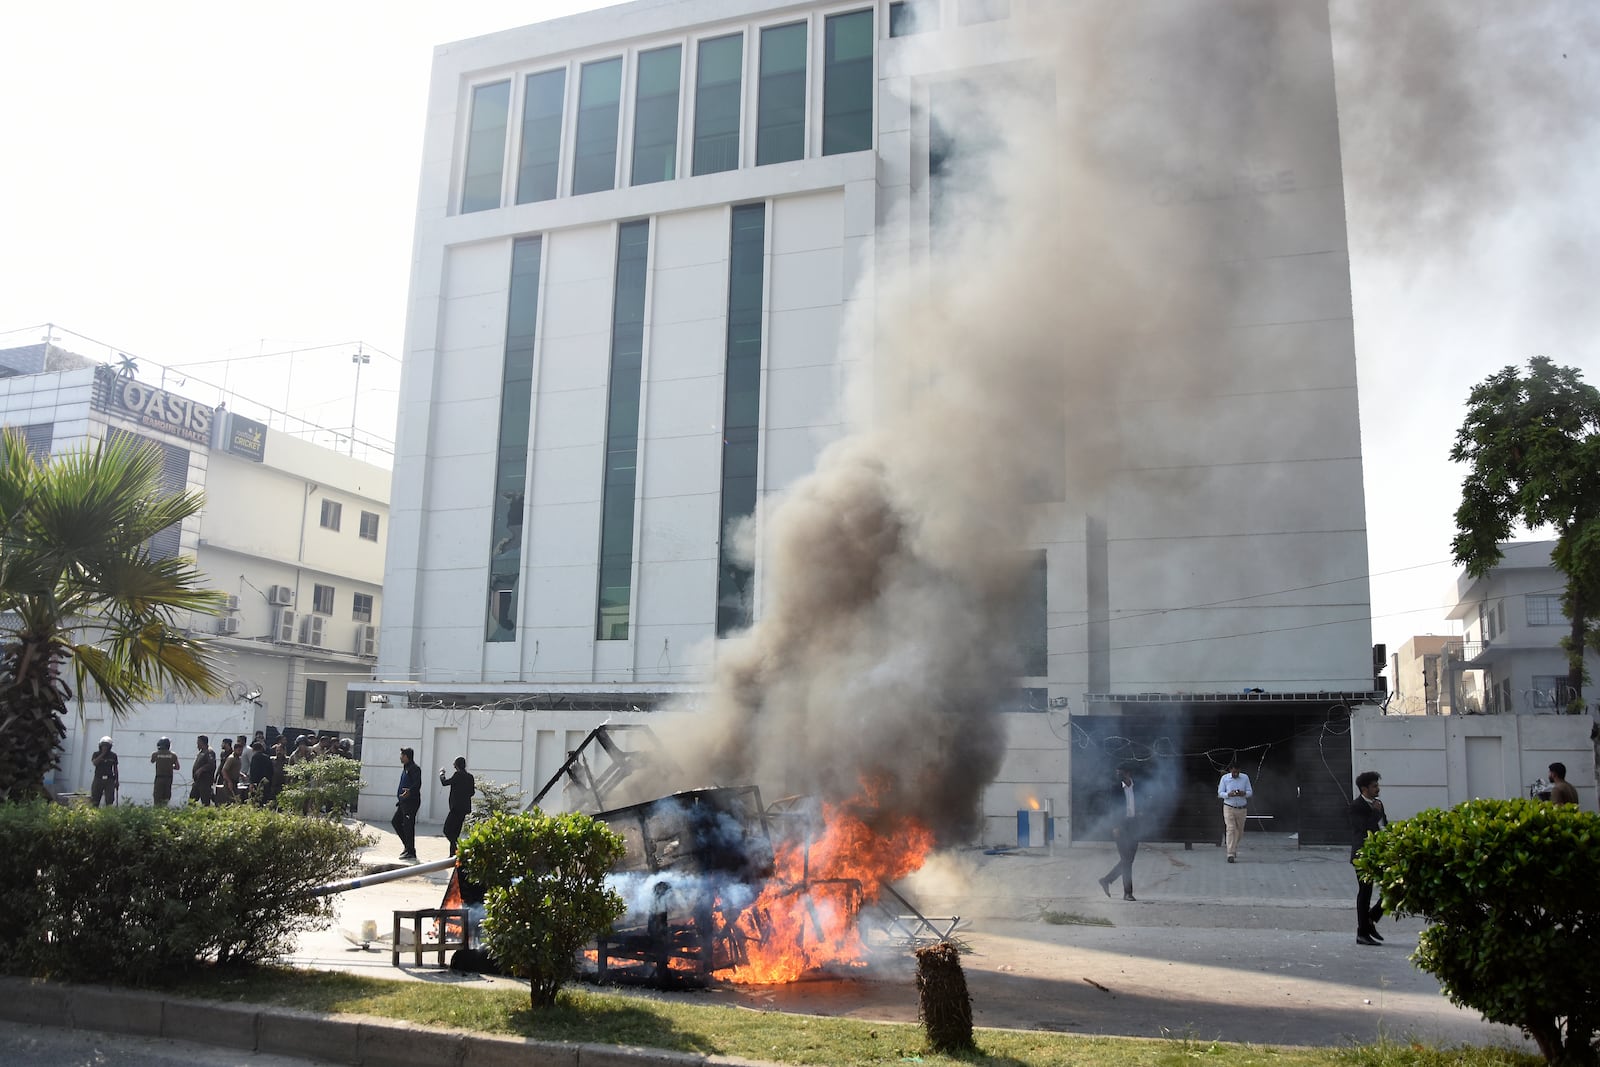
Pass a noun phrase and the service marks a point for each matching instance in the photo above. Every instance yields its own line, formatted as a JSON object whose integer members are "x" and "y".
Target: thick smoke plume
{"x": 1110, "y": 161}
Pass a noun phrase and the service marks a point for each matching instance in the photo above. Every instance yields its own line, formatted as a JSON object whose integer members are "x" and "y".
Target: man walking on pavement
{"x": 408, "y": 799}
{"x": 1126, "y": 834}
{"x": 1366, "y": 817}
{"x": 462, "y": 786}
{"x": 1235, "y": 791}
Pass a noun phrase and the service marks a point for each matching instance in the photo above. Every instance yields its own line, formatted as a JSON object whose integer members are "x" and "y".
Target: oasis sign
{"x": 152, "y": 407}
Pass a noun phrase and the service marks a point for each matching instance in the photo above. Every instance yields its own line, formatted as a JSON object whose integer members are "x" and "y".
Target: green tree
{"x": 546, "y": 894}
{"x": 1532, "y": 443}
{"x": 1507, "y": 887}
{"x": 323, "y": 784}
{"x": 85, "y": 597}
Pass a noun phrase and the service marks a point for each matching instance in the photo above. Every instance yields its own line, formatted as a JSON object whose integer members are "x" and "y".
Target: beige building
{"x": 1417, "y": 675}
{"x": 294, "y": 533}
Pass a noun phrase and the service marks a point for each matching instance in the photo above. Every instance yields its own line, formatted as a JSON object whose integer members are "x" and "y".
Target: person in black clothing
{"x": 260, "y": 772}
{"x": 462, "y": 786}
{"x": 106, "y": 780}
{"x": 1126, "y": 834}
{"x": 408, "y": 799}
{"x": 1366, "y": 816}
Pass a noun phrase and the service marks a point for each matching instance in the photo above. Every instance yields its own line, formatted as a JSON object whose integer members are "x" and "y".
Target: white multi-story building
{"x": 667, "y": 254}
{"x": 294, "y": 534}
{"x": 1510, "y": 659}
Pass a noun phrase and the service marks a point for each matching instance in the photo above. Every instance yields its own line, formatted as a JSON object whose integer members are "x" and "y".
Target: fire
{"x": 805, "y": 917}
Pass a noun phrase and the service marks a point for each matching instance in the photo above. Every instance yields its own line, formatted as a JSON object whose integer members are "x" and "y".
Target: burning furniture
{"x": 719, "y": 886}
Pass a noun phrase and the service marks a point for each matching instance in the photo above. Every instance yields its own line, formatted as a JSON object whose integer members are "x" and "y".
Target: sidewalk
{"x": 1260, "y": 951}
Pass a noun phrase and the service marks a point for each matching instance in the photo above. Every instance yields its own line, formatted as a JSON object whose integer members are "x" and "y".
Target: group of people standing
{"x": 245, "y": 771}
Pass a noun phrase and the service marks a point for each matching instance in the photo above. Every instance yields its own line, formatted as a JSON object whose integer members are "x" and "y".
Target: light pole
{"x": 358, "y": 359}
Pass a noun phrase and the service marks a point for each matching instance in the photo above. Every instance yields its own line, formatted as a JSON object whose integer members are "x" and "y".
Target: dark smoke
{"x": 1117, "y": 164}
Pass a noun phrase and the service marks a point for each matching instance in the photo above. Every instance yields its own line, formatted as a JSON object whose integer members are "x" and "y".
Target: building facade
{"x": 293, "y": 533}
{"x": 662, "y": 252}
{"x": 1419, "y": 680}
{"x": 1510, "y": 659}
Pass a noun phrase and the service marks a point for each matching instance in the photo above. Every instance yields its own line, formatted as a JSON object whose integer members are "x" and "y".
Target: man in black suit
{"x": 1366, "y": 817}
{"x": 1126, "y": 834}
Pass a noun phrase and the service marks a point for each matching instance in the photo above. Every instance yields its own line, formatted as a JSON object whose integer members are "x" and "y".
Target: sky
{"x": 227, "y": 192}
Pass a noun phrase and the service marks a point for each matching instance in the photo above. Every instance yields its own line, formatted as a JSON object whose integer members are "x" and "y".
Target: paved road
{"x": 38, "y": 1046}
{"x": 1261, "y": 951}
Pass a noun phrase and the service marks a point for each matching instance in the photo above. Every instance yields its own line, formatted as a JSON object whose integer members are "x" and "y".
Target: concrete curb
{"x": 361, "y": 1041}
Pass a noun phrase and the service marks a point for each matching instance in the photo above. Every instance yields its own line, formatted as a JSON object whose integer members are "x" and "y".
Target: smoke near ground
{"x": 1081, "y": 274}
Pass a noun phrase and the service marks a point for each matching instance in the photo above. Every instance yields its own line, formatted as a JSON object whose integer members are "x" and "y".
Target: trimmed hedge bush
{"x": 132, "y": 894}
{"x": 546, "y": 896}
{"x": 1509, "y": 890}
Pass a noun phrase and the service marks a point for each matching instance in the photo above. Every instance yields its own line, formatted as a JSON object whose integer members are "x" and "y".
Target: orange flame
{"x": 805, "y": 918}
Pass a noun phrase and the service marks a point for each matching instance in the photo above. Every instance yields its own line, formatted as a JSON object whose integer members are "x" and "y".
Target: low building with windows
{"x": 1418, "y": 678}
{"x": 662, "y": 263}
{"x": 1510, "y": 659}
{"x": 292, "y": 532}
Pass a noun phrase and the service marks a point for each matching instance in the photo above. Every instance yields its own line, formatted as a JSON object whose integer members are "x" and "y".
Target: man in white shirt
{"x": 1235, "y": 793}
{"x": 1125, "y": 834}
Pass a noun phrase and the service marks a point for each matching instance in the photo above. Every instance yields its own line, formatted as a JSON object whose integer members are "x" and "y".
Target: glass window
{"x": 316, "y": 698}
{"x": 741, "y": 411}
{"x": 511, "y": 463}
{"x": 718, "y": 78}
{"x": 369, "y": 526}
{"x": 847, "y": 83}
{"x": 655, "y": 116}
{"x": 486, "y": 146}
{"x": 1545, "y": 610}
{"x": 353, "y": 705}
{"x": 322, "y": 599}
{"x": 332, "y": 512}
{"x": 1034, "y": 621}
{"x": 361, "y": 607}
{"x": 540, "y": 165}
{"x": 781, "y": 99}
{"x": 971, "y": 11}
{"x": 622, "y": 433}
{"x": 166, "y": 542}
{"x": 594, "y": 164}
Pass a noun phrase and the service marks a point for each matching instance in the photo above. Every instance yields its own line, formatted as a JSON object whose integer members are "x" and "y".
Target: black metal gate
{"x": 1297, "y": 754}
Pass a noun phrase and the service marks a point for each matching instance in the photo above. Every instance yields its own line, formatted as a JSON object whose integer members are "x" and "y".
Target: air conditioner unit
{"x": 280, "y": 596}
{"x": 366, "y": 640}
{"x": 228, "y": 624}
{"x": 284, "y": 633}
{"x": 311, "y": 630}
{"x": 230, "y": 603}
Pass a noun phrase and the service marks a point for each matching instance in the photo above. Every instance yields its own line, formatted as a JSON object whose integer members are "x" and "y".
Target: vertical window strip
{"x": 781, "y": 95}
{"x": 717, "y": 95}
{"x": 1035, "y": 619}
{"x": 622, "y": 433}
{"x": 847, "y": 85}
{"x": 540, "y": 165}
{"x": 655, "y": 116}
{"x": 741, "y": 411}
{"x": 511, "y": 462}
{"x": 486, "y": 147}
{"x": 594, "y": 162}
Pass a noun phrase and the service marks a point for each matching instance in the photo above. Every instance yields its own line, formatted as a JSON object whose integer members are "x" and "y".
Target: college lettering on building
{"x": 154, "y": 408}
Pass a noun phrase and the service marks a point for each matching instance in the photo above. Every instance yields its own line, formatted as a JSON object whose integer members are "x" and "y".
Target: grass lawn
{"x": 584, "y": 1014}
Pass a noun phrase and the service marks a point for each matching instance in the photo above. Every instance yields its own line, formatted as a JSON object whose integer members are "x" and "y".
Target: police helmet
{"x": 164, "y": 743}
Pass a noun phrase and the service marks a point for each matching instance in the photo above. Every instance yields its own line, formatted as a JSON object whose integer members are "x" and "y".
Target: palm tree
{"x": 80, "y": 595}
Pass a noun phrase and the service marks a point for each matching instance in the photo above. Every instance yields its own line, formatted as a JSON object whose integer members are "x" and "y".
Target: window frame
{"x": 332, "y": 508}
{"x": 805, "y": 22}
{"x": 830, "y": 18}
{"x": 692, "y": 100}
{"x": 320, "y": 594}
{"x": 356, "y": 614}
{"x": 315, "y": 708}
{"x": 1554, "y": 615}
{"x": 465, "y": 173}
{"x": 362, "y": 531}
